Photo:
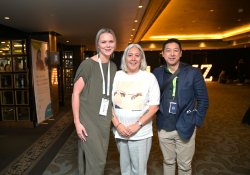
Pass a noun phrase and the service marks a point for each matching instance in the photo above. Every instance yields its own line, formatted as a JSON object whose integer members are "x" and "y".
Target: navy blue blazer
{"x": 192, "y": 99}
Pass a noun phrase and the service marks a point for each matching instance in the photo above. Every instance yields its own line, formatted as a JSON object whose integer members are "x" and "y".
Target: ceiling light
{"x": 6, "y": 18}
{"x": 240, "y": 10}
{"x": 212, "y": 10}
{"x": 222, "y": 35}
{"x": 237, "y": 31}
{"x": 140, "y": 6}
{"x": 187, "y": 37}
{"x": 202, "y": 44}
{"x": 136, "y": 20}
{"x": 18, "y": 45}
{"x": 152, "y": 46}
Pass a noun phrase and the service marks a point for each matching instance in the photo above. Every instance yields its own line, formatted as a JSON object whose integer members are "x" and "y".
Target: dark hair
{"x": 171, "y": 40}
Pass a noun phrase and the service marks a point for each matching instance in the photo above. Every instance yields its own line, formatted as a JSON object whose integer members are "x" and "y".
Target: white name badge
{"x": 104, "y": 107}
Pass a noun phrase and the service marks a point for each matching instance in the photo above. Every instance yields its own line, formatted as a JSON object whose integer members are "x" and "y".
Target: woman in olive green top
{"x": 91, "y": 105}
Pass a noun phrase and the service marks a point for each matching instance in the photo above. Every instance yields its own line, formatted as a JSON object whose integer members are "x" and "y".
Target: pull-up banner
{"x": 40, "y": 72}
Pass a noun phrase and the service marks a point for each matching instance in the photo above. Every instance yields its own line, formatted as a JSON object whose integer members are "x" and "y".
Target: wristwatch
{"x": 139, "y": 123}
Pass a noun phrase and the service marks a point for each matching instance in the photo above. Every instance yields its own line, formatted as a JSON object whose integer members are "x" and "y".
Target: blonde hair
{"x": 101, "y": 31}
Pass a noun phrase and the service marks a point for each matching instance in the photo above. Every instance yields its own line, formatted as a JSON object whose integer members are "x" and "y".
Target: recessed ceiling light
{"x": 152, "y": 46}
{"x": 140, "y": 6}
{"x": 240, "y": 10}
{"x": 202, "y": 44}
{"x": 136, "y": 20}
{"x": 212, "y": 10}
{"x": 6, "y": 18}
{"x": 67, "y": 41}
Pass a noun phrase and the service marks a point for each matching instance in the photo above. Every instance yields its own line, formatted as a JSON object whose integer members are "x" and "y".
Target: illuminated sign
{"x": 208, "y": 68}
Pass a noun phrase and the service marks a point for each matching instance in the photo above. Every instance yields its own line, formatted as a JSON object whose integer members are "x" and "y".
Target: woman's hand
{"x": 81, "y": 132}
{"x": 133, "y": 129}
{"x": 123, "y": 130}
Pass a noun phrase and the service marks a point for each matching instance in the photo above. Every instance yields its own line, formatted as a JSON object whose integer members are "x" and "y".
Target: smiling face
{"x": 106, "y": 44}
{"x": 133, "y": 60}
{"x": 172, "y": 53}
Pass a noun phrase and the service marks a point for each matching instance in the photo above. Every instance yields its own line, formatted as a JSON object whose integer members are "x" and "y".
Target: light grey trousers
{"x": 134, "y": 155}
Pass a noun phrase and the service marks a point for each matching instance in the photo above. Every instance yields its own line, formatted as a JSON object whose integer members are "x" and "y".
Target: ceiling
{"x": 201, "y": 24}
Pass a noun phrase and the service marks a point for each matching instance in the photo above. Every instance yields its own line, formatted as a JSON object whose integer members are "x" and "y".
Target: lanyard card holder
{"x": 172, "y": 107}
{"x": 105, "y": 101}
{"x": 104, "y": 107}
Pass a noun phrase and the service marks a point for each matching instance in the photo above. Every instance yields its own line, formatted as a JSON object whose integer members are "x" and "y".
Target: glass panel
{"x": 22, "y": 97}
{"x": 6, "y": 81}
{"x": 21, "y": 80}
{"x": 18, "y": 47}
{"x": 68, "y": 72}
{"x": 8, "y": 113}
{"x": 7, "y": 98}
{"x": 23, "y": 113}
{"x": 68, "y": 63}
{"x": 68, "y": 55}
{"x": 20, "y": 64}
{"x": 69, "y": 81}
{"x": 68, "y": 59}
{"x": 5, "y": 48}
{"x": 5, "y": 64}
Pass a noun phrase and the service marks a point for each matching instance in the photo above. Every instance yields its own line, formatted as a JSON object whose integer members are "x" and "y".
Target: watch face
{"x": 139, "y": 123}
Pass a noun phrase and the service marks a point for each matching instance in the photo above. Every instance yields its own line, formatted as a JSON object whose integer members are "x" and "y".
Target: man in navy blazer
{"x": 183, "y": 106}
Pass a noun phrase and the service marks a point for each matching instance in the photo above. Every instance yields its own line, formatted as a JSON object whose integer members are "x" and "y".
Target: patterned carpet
{"x": 24, "y": 163}
{"x": 222, "y": 146}
{"x": 222, "y": 143}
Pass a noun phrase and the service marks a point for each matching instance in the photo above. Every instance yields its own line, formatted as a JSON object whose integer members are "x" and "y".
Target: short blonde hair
{"x": 143, "y": 65}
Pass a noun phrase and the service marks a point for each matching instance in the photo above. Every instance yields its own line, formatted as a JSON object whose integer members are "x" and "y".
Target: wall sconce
{"x": 54, "y": 78}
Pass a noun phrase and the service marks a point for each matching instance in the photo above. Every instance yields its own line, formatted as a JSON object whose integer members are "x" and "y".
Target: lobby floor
{"x": 222, "y": 143}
